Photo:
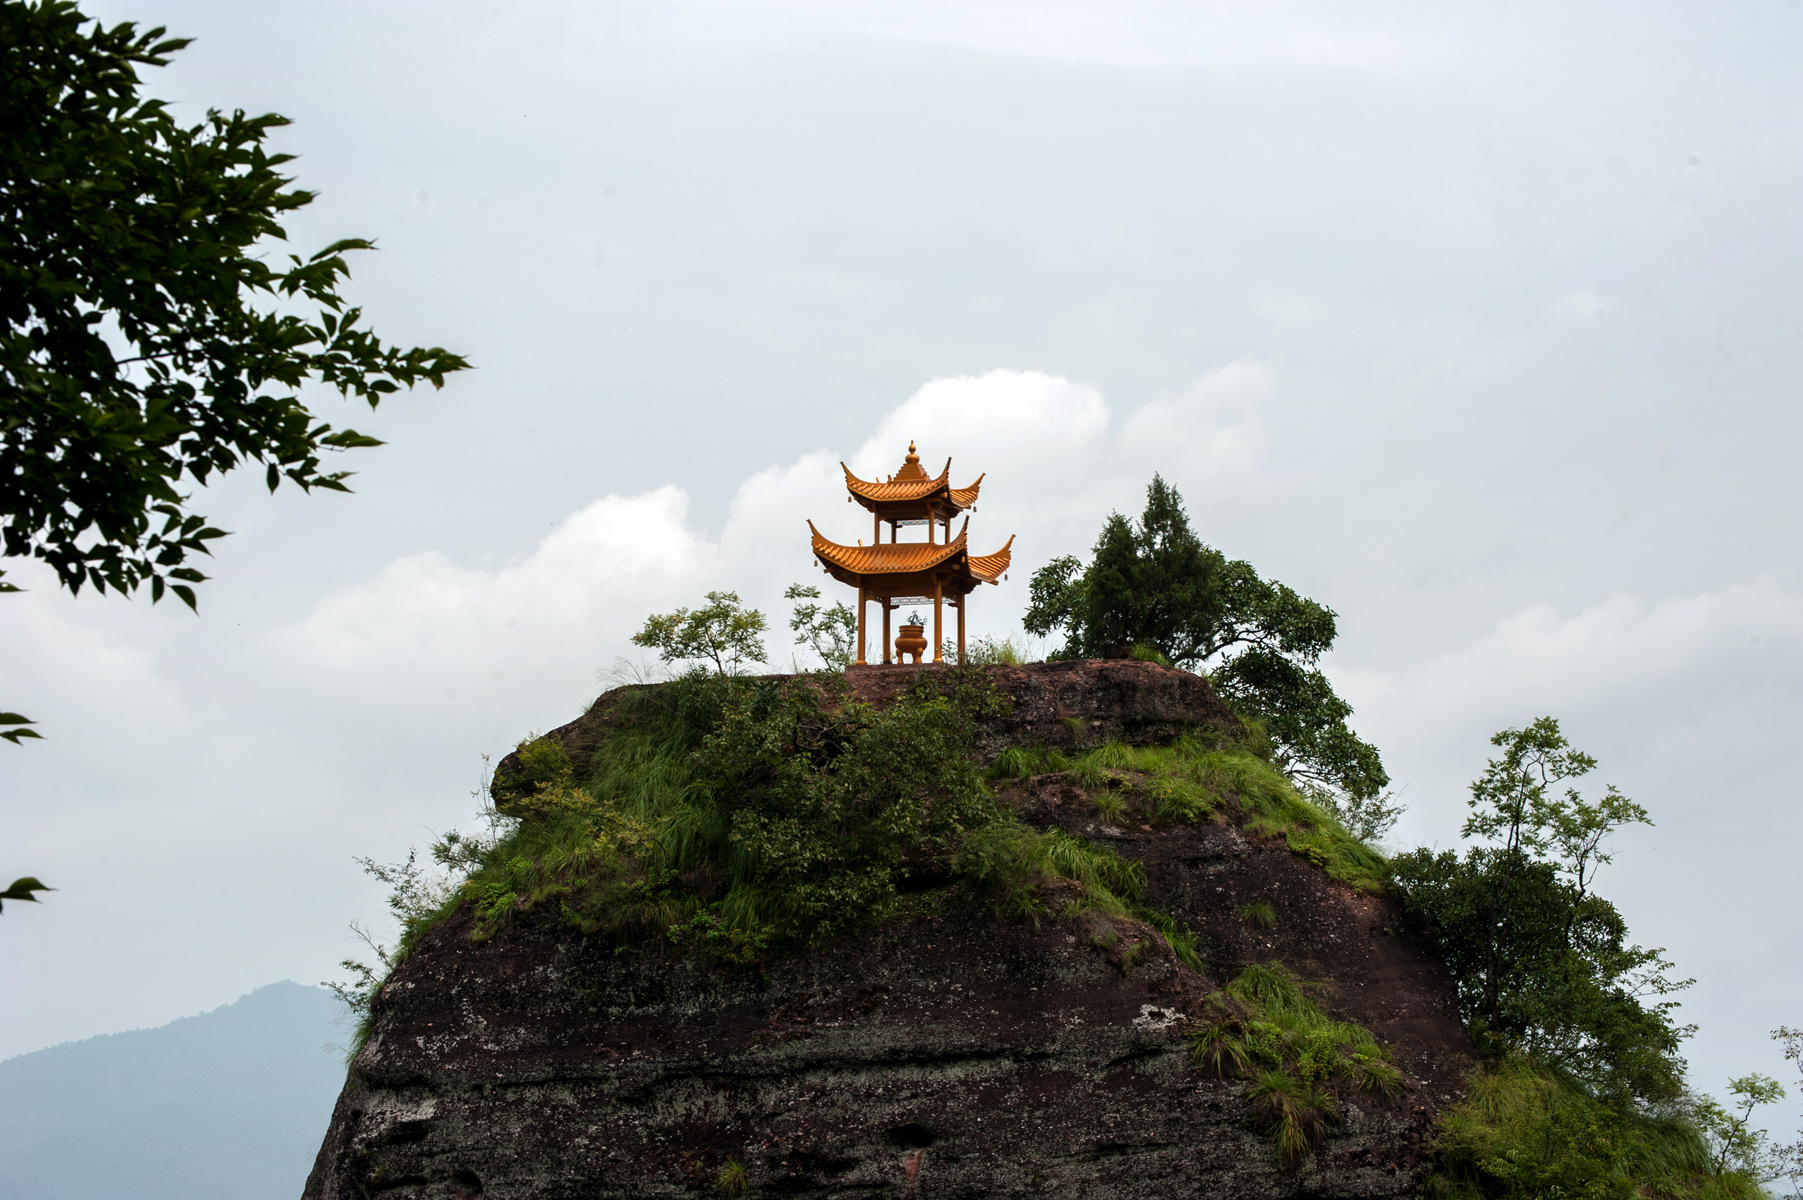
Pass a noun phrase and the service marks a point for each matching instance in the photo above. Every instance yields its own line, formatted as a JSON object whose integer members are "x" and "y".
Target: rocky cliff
{"x": 952, "y": 1053}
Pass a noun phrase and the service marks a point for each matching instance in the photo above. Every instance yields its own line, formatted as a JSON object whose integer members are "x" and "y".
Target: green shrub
{"x": 1523, "y": 1131}
{"x": 539, "y": 760}
{"x": 736, "y": 816}
{"x": 586, "y": 855}
{"x": 1008, "y": 861}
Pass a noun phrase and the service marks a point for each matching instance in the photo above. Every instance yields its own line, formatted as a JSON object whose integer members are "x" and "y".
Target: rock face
{"x": 956, "y": 1054}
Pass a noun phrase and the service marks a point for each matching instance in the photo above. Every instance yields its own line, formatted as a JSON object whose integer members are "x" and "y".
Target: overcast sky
{"x": 1482, "y": 324}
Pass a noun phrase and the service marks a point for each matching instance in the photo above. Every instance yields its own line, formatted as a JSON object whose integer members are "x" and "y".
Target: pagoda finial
{"x": 912, "y": 457}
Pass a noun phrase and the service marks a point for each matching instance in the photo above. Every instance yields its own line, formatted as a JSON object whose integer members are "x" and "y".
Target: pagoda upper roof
{"x": 849, "y": 563}
{"x": 910, "y": 488}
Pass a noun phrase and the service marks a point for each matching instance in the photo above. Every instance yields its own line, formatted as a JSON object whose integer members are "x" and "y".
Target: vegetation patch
{"x": 1524, "y": 1129}
{"x": 733, "y": 817}
{"x": 1192, "y": 780}
{"x": 1299, "y": 1064}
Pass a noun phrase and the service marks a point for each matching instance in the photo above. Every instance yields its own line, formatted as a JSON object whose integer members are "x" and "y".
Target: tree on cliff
{"x": 830, "y": 630}
{"x": 147, "y": 340}
{"x": 722, "y": 631}
{"x": 1542, "y": 963}
{"x": 1156, "y": 587}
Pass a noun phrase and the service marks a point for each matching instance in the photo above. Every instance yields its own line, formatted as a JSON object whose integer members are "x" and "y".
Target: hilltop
{"x": 948, "y": 1044}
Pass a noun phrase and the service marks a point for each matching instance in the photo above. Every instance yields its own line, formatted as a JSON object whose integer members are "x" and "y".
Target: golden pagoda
{"x": 893, "y": 573}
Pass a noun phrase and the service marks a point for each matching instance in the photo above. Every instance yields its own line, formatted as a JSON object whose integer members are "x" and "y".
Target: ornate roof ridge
{"x": 899, "y": 490}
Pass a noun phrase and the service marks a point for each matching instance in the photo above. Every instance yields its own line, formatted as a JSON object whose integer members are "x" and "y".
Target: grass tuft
{"x": 1014, "y": 763}
{"x": 1191, "y": 779}
{"x": 1292, "y": 1053}
{"x": 1024, "y": 762}
{"x": 1295, "y": 1114}
{"x": 1182, "y": 943}
{"x": 733, "y": 1178}
{"x": 1114, "y": 757}
{"x": 1010, "y": 862}
{"x": 1259, "y": 915}
{"x": 1109, "y": 806}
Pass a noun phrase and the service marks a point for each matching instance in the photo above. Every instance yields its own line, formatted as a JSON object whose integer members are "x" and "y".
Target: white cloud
{"x": 1536, "y": 659}
{"x": 92, "y": 671}
{"x": 1211, "y": 434}
{"x": 426, "y": 621}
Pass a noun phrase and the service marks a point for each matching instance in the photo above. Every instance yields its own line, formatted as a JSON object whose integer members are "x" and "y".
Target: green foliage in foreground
{"x": 149, "y": 339}
{"x": 1524, "y": 1130}
{"x": 1299, "y": 1063}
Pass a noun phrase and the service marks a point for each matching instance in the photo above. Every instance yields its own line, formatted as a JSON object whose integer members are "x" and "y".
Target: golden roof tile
{"x": 887, "y": 558}
{"x": 912, "y": 558}
{"x": 912, "y": 485}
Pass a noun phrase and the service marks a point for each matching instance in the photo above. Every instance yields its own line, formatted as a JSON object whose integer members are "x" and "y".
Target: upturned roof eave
{"x": 875, "y": 495}
{"x": 856, "y": 564}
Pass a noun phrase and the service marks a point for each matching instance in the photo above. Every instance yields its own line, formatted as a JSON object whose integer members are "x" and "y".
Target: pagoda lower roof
{"x": 890, "y": 559}
{"x": 878, "y": 495}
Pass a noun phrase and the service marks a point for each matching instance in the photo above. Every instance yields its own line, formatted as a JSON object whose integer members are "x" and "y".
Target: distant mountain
{"x": 229, "y": 1105}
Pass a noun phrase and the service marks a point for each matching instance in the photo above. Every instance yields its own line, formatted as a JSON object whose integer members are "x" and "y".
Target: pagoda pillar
{"x": 938, "y": 620}
{"x": 887, "y": 609}
{"x": 961, "y": 601}
{"x": 861, "y": 661}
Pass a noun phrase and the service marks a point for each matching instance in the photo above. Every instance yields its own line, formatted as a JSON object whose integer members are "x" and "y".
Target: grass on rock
{"x": 734, "y": 816}
{"x": 1192, "y": 780}
{"x": 1523, "y": 1130}
{"x": 1298, "y": 1062}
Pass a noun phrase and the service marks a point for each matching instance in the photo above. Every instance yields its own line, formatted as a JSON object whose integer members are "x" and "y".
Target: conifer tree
{"x": 1153, "y": 589}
